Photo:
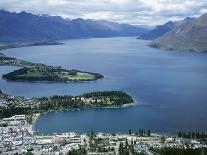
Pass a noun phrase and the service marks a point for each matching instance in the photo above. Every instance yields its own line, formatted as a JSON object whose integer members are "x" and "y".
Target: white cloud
{"x": 144, "y": 12}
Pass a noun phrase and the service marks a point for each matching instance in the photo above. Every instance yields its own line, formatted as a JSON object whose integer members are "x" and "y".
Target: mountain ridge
{"x": 162, "y": 29}
{"x": 25, "y": 26}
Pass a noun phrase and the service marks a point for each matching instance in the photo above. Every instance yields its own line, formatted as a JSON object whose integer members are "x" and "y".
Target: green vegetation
{"x": 41, "y": 72}
{"x": 130, "y": 132}
{"x": 162, "y": 139}
{"x": 20, "y": 105}
{"x": 29, "y": 119}
{"x": 108, "y": 98}
{"x": 143, "y": 133}
{"x": 29, "y": 153}
{"x": 180, "y": 151}
{"x": 201, "y": 136}
{"x": 100, "y": 145}
{"x": 50, "y": 74}
{"x": 127, "y": 148}
{"x": 196, "y": 135}
{"x": 80, "y": 151}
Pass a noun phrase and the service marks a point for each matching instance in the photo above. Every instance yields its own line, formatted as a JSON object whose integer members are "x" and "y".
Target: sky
{"x": 136, "y": 12}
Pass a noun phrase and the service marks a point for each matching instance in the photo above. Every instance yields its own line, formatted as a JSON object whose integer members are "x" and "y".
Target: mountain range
{"x": 188, "y": 36}
{"x": 25, "y": 26}
{"x": 162, "y": 29}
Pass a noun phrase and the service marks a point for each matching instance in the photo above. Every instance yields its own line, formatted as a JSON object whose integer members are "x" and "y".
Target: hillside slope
{"x": 189, "y": 36}
{"x": 160, "y": 30}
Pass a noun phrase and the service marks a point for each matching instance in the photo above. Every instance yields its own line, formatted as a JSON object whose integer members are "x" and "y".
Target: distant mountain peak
{"x": 24, "y": 12}
{"x": 160, "y": 30}
{"x": 189, "y": 18}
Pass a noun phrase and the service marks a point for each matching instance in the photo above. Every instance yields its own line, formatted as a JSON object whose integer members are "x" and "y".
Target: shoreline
{"x": 30, "y": 127}
{"x": 69, "y": 81}
{"x": 12, "y": 45}
{"x": 38, "y": 115}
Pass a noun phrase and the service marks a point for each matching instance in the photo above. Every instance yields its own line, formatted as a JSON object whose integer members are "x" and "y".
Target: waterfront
{"x": 169, "y": 87}
{"x": 16, "y": 137}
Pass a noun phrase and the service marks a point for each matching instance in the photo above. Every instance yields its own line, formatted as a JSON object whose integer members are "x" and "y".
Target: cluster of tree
{"x": 22, "y": 75}
{"x": 190, "y": 135}
{"x": 66, "y": 102}
{"x": 127, "y": 148}
{"x": 99, "y": 145}
{"x": 118, "y": 98}
{"x": 143, "y": 133}
{"x": 80, "y": 151}
{"x": 29, "y": 119}
{"x": 28, "y": 153}
{"x": 180, "y": 151}
{"x": 105, "y": 149}
{"x": 60, "y": 102}
{"x": 10, "y": 111}
{"x": 16, "y": 73}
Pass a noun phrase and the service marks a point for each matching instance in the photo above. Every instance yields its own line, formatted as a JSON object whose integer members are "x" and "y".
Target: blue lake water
{"x": 170, "y": 88}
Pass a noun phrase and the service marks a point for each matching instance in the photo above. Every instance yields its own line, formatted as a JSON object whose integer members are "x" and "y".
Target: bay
{"x": 169, "y": 87}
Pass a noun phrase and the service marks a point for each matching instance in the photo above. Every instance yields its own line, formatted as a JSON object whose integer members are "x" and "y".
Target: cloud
{"x": 139, "y": 12}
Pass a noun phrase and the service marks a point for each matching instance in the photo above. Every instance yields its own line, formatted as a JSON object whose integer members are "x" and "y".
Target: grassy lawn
{"x": 80, "y": 76}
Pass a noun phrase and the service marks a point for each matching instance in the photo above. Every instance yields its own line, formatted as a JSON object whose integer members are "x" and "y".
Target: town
{"x": 18, "y": 137}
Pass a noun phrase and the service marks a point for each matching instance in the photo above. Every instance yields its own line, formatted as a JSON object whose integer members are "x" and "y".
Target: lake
{"x": 169, "y": 87}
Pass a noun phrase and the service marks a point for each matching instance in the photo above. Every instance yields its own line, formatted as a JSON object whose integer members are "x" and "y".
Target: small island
{"x": 36, "y": 72}
{"x": 16, "y": 105}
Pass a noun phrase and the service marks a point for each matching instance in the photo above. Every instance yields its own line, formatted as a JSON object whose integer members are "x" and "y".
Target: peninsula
{"x": 7, "y": 45}
{"x": 16, "y": 105}
{"x": 36, "y": 72}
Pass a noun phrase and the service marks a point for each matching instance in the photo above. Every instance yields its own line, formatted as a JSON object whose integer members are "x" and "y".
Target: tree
{"x": 130, "y": 131}
{"x": 29, "y": 153}
{"x": 121, "y": 148}
{"x": 140, "y": 132}
{"x": 162, "y": 139}
{"x": 29, "y": 119}
{"x": 148, "y": 133}
{"x": 179, "y": 134}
